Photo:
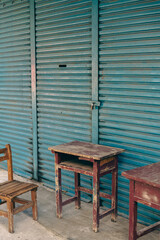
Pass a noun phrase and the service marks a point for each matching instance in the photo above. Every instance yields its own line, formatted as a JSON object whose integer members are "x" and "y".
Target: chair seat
{"x": 11, "y": 189}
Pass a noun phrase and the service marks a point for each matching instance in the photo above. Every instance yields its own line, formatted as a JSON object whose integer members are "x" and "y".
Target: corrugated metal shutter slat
{"x": 129, "y": 90}
{"x": 63, "y": 38}
{"x": 15, "y": 84}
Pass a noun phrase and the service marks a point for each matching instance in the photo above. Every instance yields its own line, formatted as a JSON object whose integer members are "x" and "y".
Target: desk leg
{"x": 77, "y": 192}
{"x": 58, "y": 186}
{"x": 132, "y": 213}
{"x": 96, "y": 172}
{"x": 114, "y": 191}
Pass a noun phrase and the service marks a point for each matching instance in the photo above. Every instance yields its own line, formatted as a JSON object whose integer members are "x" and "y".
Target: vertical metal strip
{"x": 33, "y": 85}
{"x": 95, "y": 23}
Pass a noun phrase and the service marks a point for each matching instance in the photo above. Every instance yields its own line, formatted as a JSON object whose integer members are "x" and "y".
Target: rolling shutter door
{"x": 129, "y": 89}
{"x": 15, "y": 86}
{"x": 63, "y": 38}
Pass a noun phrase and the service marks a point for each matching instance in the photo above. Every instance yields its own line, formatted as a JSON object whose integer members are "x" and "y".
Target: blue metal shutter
{"x": 130, "y": 88}
{"x": 15, "y": 86}
{"x": 63, "y": 38}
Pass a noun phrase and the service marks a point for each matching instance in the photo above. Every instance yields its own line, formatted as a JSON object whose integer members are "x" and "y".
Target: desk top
{"x": 149, "y": 174}
{"x": 87, "y": 150}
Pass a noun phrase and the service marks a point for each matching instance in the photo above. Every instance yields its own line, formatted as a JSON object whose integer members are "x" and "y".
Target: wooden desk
{"x": 145, "y": 189}
{"x": 92, "y": 160}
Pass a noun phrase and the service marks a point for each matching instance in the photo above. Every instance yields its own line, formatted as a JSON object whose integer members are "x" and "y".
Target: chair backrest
{"x": 6, "y": 154}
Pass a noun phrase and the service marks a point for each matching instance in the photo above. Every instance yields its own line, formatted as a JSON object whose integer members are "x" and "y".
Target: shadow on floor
{"x": 77, "y": 224}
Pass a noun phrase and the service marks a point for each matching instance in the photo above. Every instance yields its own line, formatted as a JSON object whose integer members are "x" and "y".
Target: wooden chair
{"x": 11, "y": 189}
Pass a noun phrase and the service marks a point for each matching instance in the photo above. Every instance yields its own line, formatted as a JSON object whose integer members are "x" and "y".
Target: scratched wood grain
{"x": 87, "y": 150}
{"x": 149, "y": 174}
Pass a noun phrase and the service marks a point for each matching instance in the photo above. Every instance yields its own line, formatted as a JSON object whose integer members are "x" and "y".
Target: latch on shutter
{"x": 94, "y": 104}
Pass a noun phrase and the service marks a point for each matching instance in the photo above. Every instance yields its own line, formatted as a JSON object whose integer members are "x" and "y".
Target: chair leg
{"x": 10, "y": 216}
{"x": 34, "y": 207}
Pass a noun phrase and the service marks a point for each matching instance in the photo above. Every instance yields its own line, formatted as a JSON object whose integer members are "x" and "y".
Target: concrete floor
{"x": 75, "y": 224}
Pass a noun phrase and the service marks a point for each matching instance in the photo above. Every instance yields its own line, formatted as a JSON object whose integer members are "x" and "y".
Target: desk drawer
{"x": 147, "y": 193}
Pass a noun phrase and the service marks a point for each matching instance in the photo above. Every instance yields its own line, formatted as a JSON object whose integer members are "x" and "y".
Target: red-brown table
{"x": 145, "y": 189}
{"x": 92, "y": 160}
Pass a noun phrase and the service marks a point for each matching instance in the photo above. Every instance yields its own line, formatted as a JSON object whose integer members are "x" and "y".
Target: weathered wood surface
{"x": 77, "y": 190}
{"x": 10, "y": 189}
{"x": 148, "y": 229}
{"x": 149, "y": 174}
{"x": 96, "y": 200}
{"x": 147, "y": 193}
{"x": 79, "y": 165}
{"x": 144, "y": 188}
{"x": 89, "y": 159}
{"x": 87, "y": 150}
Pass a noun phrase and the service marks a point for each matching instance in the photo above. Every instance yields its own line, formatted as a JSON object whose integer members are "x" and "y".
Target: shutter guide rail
{"x": 33, "y": 85}
{"x": 95, "y": 42}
